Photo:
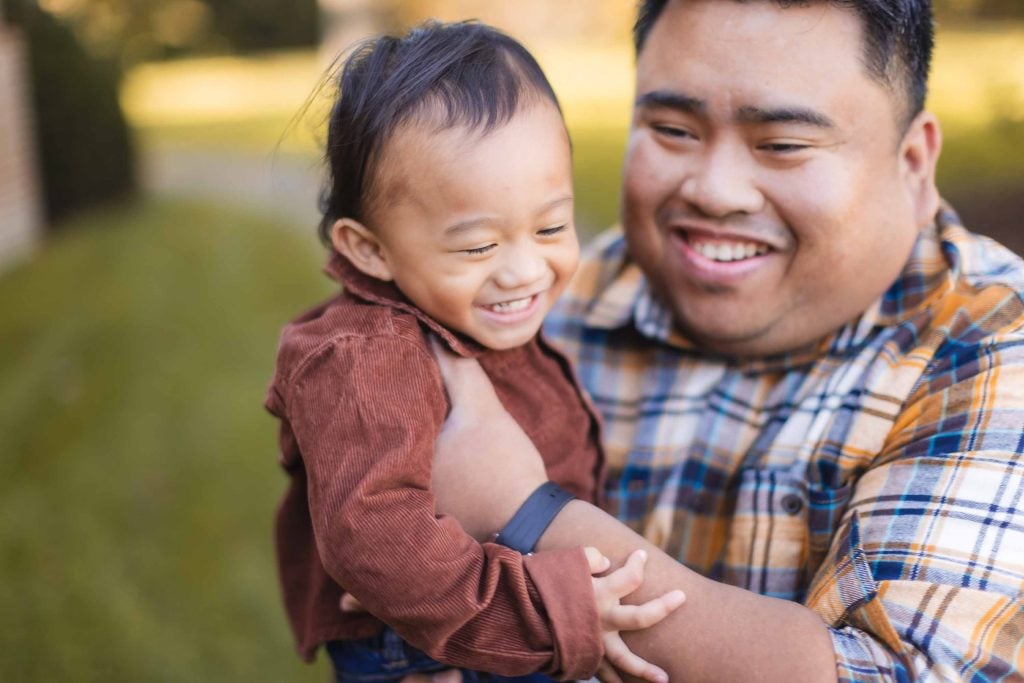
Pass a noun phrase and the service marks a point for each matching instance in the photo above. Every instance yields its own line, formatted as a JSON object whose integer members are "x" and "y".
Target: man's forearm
{"x": 721, "y": 633}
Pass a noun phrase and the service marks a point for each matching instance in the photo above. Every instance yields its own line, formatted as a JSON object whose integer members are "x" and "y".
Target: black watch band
{"x": 532, "y": 518}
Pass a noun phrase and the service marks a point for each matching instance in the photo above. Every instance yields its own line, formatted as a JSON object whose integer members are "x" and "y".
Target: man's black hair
{"x": 898, "y": 40}
{"x": 458, "y": 74}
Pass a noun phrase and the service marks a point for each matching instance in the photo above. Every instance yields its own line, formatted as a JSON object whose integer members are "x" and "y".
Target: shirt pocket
{"x": 780, "y": 531}
{"x": 825, "y": 508}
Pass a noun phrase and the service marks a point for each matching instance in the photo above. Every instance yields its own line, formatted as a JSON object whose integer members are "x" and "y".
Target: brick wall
{"x": 20, "y": 212}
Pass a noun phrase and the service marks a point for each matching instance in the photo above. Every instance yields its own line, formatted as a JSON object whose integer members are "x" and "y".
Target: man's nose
{"x": 521, "y": 265}
{"x": 720, "y": 182}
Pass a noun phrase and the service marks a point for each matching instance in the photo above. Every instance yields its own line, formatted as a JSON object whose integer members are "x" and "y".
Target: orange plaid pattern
{"x": 878, "y": 478}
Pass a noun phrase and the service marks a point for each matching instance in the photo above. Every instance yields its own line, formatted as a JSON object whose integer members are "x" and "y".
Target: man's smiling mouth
{"x": 727, "y": 250}
{"x": 723, "y": 248}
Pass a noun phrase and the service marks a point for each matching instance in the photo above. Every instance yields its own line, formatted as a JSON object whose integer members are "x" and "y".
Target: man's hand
{"x": 615, "y": 616}
{"x": 485, "y": 465}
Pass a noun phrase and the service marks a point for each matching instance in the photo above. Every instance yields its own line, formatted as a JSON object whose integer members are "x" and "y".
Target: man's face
{"x": 769, "y": 192}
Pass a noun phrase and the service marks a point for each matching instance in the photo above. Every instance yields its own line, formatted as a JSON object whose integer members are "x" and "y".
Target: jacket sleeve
{"x": 924, "y": 579}
{"x": 366, "y": 414}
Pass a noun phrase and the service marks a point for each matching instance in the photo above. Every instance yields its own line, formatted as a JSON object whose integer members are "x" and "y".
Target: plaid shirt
{"x": 877, "y": 478}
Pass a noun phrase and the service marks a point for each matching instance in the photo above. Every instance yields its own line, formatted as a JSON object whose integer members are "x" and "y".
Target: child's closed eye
{"x": 553, "y": 230}
{"x": 476, "y": 251}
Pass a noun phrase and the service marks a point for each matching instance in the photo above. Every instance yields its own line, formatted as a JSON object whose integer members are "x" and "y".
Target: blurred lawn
{"x": 237, "y": 104}
{"x": 139, "y": 472}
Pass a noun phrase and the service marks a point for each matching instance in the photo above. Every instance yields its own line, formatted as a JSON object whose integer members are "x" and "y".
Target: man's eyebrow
{"x": 671, "y": 100}
{"x": 784, "y": 115}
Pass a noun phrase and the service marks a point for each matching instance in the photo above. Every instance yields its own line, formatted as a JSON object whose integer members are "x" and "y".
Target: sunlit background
{"x": 159, "y": 168}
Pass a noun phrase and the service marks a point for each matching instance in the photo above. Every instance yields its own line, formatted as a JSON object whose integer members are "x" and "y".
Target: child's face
{"x": 478, "y": 231}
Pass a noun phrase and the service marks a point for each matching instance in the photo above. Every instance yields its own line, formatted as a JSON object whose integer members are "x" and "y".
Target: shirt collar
{"x": 934, "y": 263}
{"x": 385, "y": 293}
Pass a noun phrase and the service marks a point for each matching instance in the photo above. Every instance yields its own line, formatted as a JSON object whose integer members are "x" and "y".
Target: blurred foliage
{"x": 979, "y": 9}
{"x": 977, "y": 90}
{"x": 139, "y": 473}
{"x": 132, "y": 31}
{"x": 85, "y": 151}
{"x": 592, "y": 21}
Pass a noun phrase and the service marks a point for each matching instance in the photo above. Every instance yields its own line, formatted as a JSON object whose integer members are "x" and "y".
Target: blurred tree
{"x": 132, "y": 31}
{"x": 248, "y": 25}
{"x": 84, "y": 147}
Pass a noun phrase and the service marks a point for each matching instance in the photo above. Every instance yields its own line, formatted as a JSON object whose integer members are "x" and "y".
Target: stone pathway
{"x": 285, "y": 185}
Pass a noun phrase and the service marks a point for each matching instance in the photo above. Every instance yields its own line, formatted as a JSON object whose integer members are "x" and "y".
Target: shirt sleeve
{"x": 366, "y": 414}
{"x": 924, "y": 579}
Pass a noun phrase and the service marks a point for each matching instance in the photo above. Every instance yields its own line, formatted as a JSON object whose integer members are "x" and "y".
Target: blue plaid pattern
{"x": 878, "y": 477}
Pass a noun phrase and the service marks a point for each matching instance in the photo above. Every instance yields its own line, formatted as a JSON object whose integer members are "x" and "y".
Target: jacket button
{"x": 792, "y": 504}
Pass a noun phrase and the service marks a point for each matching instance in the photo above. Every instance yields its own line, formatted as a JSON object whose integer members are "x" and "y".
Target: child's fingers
{"x": 628, "y": 577}
{"x": 633, "y": 617}
{"x": 596, "y": 560}
{"x": 606, "y": 673}
{"x": 624, "y": 659}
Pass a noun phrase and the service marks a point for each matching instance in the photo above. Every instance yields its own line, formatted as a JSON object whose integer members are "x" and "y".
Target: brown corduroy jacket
{"x": 361, "y": 401}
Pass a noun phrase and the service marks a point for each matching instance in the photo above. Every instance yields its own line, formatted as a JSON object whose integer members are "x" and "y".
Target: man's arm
{"x": 925, "y": 575}
{"x": 722, "y": 633}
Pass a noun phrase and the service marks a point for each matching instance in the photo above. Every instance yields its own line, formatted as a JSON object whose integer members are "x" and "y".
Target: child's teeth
{"x": 511, "y": 306}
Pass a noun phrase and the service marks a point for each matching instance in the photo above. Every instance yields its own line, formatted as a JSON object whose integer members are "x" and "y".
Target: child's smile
{"x": 475, "y": 228}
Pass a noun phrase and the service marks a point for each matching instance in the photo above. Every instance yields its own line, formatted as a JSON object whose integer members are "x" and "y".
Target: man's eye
{"x": 479, "y": 250}
{"x": 783, "y": 147}
{"x": 553, "y": 230}
{"x": 671, "y": 131}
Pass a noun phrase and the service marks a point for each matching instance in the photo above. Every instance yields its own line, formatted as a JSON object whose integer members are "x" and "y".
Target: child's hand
{"x": 615, "y": 617}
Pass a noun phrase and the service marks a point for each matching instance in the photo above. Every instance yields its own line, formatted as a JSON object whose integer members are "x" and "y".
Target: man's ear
{"x": 919, "y": 154}
{"x": 358, "y": 244}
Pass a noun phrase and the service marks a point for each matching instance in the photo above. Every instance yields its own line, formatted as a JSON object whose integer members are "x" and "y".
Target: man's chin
{"x": 741, "y": 340}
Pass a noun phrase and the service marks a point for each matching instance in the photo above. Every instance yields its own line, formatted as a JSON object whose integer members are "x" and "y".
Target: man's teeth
{"x": 511, "y": 306}
{"x": 724, "y": 251}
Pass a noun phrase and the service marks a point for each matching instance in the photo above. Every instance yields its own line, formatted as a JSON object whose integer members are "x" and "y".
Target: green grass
{"x": 138, "y": 475}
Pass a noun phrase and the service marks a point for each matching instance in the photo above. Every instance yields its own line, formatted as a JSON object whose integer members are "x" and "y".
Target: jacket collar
{"x": 385, "y": 293}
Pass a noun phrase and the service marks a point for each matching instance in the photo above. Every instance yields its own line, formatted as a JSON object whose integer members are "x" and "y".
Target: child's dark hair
{"x": 459, "y": 74}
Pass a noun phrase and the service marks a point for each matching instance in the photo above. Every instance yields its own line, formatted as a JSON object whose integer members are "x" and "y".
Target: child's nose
{"x": 521, "y": 266}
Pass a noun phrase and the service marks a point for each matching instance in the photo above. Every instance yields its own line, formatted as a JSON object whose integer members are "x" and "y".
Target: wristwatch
{"x": 533, "y": 517}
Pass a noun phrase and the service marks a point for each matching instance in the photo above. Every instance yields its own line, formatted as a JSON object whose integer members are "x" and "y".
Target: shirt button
{"x": 792, "y": 504}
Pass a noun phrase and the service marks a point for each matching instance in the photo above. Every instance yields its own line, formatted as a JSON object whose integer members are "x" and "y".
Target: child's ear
{"x": 359, "y": 245}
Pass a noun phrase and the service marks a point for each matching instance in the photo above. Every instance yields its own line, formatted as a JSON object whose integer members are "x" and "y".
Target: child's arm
{"x": 366, "y": 414}
{"x": 615, "y": 616}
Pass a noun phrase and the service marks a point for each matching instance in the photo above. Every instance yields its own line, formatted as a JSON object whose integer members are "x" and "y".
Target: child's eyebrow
{"x": 466, "y": 226}
{"x": 557, "y": 201}
{"x": 481, "y": 221}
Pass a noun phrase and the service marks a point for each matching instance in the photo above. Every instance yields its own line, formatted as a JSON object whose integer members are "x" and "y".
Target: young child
{"x": 450, "y": 214}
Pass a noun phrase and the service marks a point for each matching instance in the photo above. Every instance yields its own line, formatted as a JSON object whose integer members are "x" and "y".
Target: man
{"x": 812, "y": 377}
